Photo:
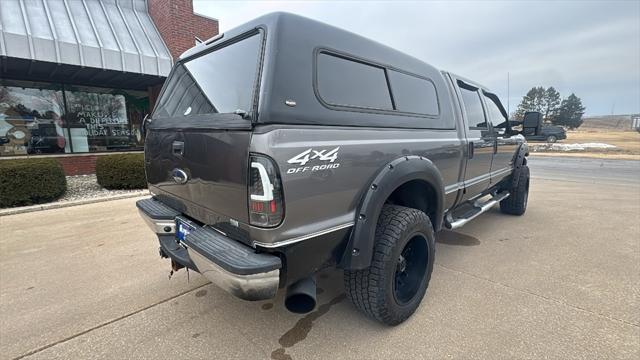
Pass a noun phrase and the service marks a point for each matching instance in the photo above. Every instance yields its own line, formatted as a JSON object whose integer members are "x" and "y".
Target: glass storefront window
{"x": 31, "y": 119}
{"x": 97, "y": 120}
{"x": 37, "y": 118}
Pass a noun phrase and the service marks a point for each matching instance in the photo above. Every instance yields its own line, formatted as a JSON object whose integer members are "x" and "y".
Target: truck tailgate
{"x": 207, "y": 168}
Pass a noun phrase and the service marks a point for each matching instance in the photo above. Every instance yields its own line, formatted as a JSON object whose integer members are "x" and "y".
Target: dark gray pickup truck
{"x": 286, "y": 146}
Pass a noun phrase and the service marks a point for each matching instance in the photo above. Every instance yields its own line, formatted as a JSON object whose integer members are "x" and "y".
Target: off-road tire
{"x": 372, "y": 290}
{"x": 516, "y": 203}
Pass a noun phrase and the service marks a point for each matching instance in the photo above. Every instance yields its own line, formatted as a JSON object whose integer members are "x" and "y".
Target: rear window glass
{"x": 221, "y": 81}
{"x": 350, "y": 83}
{"x": 413, "y": 94}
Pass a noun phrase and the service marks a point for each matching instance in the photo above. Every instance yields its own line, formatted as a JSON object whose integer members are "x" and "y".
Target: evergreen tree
{"x": 570, "y": 112}
{"x": 551, "y": 103}
{"x": 545, "y": 101}
{"x": 538, "y": 100}
{"x": 533, "y": 101}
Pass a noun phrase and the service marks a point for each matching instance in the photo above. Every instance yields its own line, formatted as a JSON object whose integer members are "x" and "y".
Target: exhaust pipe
{"x": 301, "y": 296}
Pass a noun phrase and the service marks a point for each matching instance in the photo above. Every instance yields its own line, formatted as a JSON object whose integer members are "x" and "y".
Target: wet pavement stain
{"x": 201, "y": 293}
{"x": 100, "y": 245}
{"x": 30, "y": 287}
{"x": 267, "y": 306}
{"x": 195, "y": 335}
{"x": 302, "y": 328}
{"x": 280, "y": 355}
{"x": 456, "y": 238}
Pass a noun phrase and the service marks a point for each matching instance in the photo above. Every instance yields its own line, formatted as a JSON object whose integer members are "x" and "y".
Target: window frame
{"x": 386, "y": 68}
{"x": 463, "y": 85}
{"x": 489, "y": 96}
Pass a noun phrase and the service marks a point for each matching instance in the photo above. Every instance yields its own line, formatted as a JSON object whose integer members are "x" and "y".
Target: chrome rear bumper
{"x": 260, "y": 286}
{"x": 234, "y": 267}
{"x": 159, "y": 226}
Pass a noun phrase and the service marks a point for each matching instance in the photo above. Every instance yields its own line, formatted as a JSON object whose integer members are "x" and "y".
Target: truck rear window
{"x": 220, "y": 81}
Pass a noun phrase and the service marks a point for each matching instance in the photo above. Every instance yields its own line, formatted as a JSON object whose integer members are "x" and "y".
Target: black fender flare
{"x": 359, "y": 250}
{"x": 520, "y": 160}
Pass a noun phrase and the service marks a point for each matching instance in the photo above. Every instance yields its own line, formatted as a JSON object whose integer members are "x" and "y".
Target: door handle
{"x": 178, "y": 148}
{"x": 471, "y": 149}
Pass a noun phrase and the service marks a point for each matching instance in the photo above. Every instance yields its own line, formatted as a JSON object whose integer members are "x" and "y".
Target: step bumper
{"x": 232, "y": 266}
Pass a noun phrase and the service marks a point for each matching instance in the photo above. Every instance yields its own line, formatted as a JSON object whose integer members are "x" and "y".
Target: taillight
{"x": 266, "y": 205}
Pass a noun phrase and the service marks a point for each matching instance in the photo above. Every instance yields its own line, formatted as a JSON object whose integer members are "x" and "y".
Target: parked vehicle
{"x": 548, "y": 133}
{"x": 286, "y": 146}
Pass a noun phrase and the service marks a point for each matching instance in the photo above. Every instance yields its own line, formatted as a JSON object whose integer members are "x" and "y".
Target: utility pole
{"x": 508, "y": 95}
{"x": 613, "y": 107}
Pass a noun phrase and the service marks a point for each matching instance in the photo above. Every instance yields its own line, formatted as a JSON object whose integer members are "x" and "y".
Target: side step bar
{"x": 478, "y": 208}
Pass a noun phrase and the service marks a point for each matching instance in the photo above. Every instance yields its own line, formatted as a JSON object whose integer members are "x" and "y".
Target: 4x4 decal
{"x": 309, "y": 155}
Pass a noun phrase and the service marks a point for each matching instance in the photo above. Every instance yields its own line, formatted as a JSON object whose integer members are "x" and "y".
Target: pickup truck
{"x": 286, "y": 146}
{"x": 548, "y": 133}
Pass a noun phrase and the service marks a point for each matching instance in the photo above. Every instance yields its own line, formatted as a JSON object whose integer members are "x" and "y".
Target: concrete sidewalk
{"x": 64, "y": 204}
{"x": 562, "y": 282}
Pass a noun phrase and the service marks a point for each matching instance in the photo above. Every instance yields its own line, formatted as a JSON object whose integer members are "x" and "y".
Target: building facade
{"x": 78, "y": 76}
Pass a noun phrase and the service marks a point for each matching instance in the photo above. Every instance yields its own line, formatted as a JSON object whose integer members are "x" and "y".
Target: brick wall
{"x": 179, "y": 26}
{"x": 78, "y": 165}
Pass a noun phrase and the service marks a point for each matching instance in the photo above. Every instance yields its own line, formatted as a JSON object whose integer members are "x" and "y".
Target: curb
{"x": 586, "y": 155}
{"x": 64, "y": 204}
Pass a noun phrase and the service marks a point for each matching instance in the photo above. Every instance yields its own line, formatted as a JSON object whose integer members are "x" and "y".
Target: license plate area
{"x": 183, "y": 229}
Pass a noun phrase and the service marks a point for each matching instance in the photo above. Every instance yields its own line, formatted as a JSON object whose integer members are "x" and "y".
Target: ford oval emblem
{"x": 180, "y": 176}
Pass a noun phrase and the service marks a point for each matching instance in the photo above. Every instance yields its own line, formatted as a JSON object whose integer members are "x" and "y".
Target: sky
{"x": 590, "y": 48}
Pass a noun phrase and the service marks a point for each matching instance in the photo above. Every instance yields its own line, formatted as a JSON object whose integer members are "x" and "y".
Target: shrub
{"x": 121, "y": 171}
{"x": 30, "y": 181}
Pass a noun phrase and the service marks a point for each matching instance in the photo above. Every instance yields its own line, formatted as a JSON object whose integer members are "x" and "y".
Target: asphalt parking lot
{"x": 563, "y": 281}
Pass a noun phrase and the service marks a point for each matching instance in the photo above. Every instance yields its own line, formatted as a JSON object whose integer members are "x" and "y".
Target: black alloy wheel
{"x": 410, "y": 269}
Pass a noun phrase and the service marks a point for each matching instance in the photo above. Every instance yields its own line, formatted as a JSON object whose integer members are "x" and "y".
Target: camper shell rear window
{"x": 223, "y": 80}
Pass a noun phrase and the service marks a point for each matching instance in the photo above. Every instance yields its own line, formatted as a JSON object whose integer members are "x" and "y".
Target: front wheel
{"x": 551, "y": 139}
{"x": 392, "y": 287}
{"x": 516, "y": 203}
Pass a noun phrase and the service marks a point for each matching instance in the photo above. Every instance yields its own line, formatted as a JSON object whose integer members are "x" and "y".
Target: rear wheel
{"x": 392, "y": 287}
{"x": 516, "y": 203}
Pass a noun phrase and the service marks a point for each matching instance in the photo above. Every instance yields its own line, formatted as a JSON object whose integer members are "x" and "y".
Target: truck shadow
{"x": 455, "y": 238}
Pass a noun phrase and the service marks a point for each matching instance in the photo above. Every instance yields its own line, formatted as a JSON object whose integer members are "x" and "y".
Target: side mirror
{"x": 143, "y": 126}
{"x": 532, "y": 123}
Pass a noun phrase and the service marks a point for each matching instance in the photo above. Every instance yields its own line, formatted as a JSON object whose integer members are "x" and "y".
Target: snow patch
{"x": 572, "y": 147}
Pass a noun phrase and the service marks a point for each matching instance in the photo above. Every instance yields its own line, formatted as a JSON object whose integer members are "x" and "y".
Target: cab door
{"x": 480, "y": 140}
